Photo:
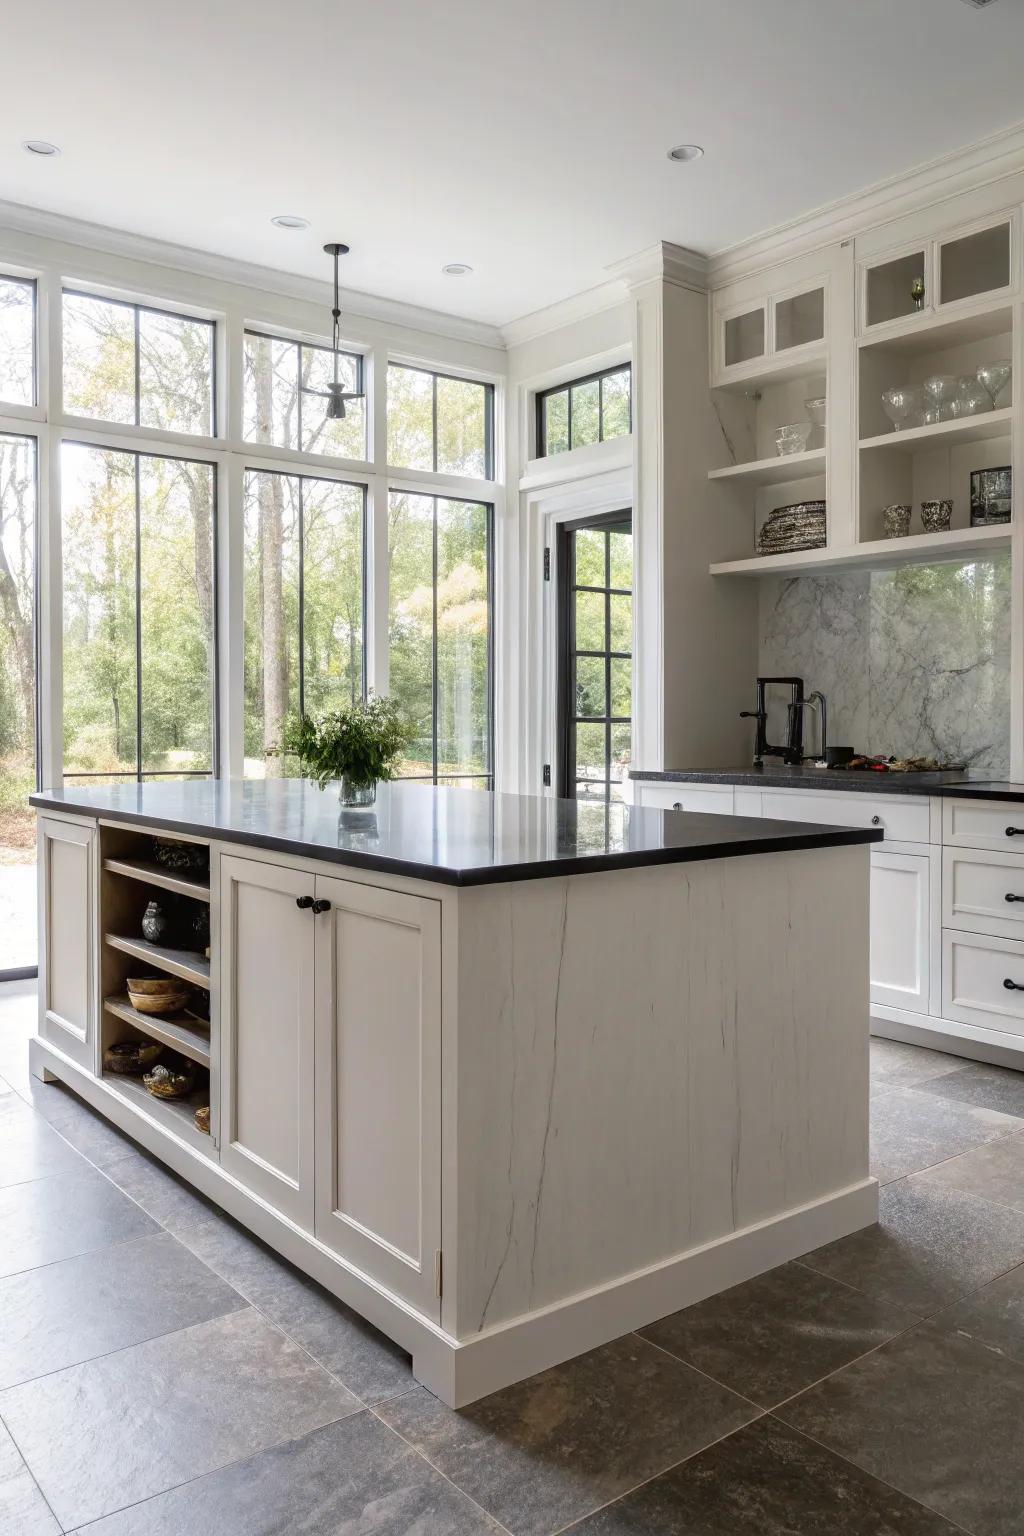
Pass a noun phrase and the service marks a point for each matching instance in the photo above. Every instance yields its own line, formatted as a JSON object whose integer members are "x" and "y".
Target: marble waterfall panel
{"x": 913, "y": 661}
{"x": 650, "y": 1060}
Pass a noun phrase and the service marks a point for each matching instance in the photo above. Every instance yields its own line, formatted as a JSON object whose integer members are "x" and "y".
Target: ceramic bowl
{"x": 173, "y": 1081}
{"x": 936, "y": 515}
{"x": 157, "y": 994}
{"x": 896, "y": 520}
{"x": 131, "y": 1056}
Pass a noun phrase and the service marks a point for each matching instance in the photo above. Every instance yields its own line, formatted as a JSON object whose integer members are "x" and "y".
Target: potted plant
{"x": 357, "y": 745}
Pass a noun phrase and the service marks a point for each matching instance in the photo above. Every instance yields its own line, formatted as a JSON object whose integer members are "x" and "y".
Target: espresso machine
{"x": 793, "y": 751}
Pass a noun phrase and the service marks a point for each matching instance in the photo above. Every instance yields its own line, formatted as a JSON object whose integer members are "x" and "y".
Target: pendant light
{"x": 337, "y": 397}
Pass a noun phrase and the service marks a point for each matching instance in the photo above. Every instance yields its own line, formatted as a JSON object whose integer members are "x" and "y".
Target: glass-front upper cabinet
{"x": 968, "y": 264}
{"x": 745, "y": 336}
{"x": 749, "y": 335}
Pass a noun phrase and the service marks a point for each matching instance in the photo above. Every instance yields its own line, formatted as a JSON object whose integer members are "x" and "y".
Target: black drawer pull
{"x": 321, "y": 906}
{"x": 876, "y": 821}
{"x": 1011, "y": 897}
{"x": 303, "y": 903}
{"x": 1013, "y": 986}
{"x": 1015, "y": 831}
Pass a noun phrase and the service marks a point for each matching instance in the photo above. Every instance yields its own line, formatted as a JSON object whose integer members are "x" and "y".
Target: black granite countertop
{"x": 808, "y": 777}
{"x": 455, "y": 836}
{"x": 984, "y": 789}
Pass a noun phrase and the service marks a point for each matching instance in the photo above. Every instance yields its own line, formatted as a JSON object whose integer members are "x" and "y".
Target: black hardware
{"x": 321, "y": 906}
{"x": 1011, "y": 897}
{"x": 677, "y": 805}
{"x": 1013, "y": 986}
{"x": 793, "y": 751}
{"x": 303, "y": 902}
{"x": 876, "y": 821}
{"x": 1015, "y": 831}
{"x": 547, "y": 564}
{"x": 546, "y": 776}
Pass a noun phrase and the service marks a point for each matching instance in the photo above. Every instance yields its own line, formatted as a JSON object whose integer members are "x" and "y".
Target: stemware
{"x": 993, "y": 378}
{"x": 971, "y": 397}
{"x": 939, "y": 388}
{"x": 792, "y": 438}
{"x": 816, "y": 409}
{"x": 899, "y": 404}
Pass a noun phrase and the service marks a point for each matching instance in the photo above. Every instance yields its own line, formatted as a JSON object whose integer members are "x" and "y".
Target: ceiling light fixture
{"x": 290, "y": 221}
{"x": 335, "y": 394}
{"x": 40, "y": 147}
{"x": 456, "y": 269}
{"x": 686, "y": 152}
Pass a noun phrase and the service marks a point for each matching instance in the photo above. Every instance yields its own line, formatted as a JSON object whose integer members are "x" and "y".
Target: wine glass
{"x": 898, "y": 404}
{"x": 993, "y": 378}
{"x": 972, "y": 398}
{"x": 940, "y": 389}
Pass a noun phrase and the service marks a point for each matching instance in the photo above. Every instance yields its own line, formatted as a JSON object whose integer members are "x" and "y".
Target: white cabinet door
{"x": 378, "y": 1085}
{"x": 900, "y": 911}
{"x": 67, "y": 938}
{"x": 266, "y": 1032}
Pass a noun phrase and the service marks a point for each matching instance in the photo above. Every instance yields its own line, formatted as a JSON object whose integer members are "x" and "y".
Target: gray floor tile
{"x": 552, "y": 1449}
{"x": 52, "y": 1219}
{"x": 993, "y": 1316}
{"x": 996, "y": 1172}
{"x": 937, "y": 1416}
{"x": 778, "y": 1333}
{"x": 114, "y": 1431}
{"x": 765, "y": 1480}
{"x": 161, "y": 1194}
{"x": 912, "y": 1130}
{"x": 29, "y": 1148}
{"x": 897, "y": 1065}
{"x": 80, "y": 1308}
{"x": 930, "y": 1247}
{"x": 23, "y": 1510}
{"x": 993, "y": 1087}
{"x": 369, "y": 1364}
{"x": 352, "y": 1478}
{"x": 84, "y": 1127}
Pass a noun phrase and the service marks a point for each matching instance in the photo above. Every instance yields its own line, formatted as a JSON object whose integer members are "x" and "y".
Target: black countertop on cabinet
{"x": 984, "y": 789}
{"x": 861, "y": 780}
{"x": 455, "y": 836}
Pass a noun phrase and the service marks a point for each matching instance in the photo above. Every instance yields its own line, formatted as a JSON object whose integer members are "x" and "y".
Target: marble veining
{"x": 913, "y": 661}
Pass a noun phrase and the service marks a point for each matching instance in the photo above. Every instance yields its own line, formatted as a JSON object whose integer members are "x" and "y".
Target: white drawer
{"x": 903, "y": 818}
{"x": 976, "y": 891}
{"x": 984, "y": 824}
{"x": 975, "y": 972}
{"x": 716, "y": 798}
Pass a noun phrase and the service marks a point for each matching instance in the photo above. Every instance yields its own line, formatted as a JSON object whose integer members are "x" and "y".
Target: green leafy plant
{"x": 362, "y": 742}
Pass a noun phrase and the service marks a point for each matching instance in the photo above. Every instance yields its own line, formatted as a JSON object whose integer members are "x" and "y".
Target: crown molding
{"x": 567, "y": 311}
{"x": 671, "y": 263}
{"x": 22, "y": 219}
{"x": 963, "y": 170}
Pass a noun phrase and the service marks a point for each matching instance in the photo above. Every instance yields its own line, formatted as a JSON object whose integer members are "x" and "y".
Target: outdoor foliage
{"x": 361, "y": 742}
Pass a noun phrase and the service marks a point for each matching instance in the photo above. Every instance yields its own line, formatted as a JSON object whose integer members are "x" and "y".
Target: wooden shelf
{"x": 177, "y": 962}
{"x": 175, "y": 1115}
{"x": 965, "y": 429}
{"x": 924, "y": 548}
{"x": 774, "y": 471}
{"x": 179, "y": 1031}
{"x": 154, "y": 874}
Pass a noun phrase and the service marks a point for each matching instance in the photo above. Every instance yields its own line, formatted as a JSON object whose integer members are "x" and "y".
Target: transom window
{"x": 18, "y": 340}
{"x": 304, "y": 602}
{"x": 440, "y": 423}
{"x": 137, "y": 365}
{"x": 588, "y": 410}
{"x": 139, "y": 554}
{"x": 284, "y": 397}
{"x": 440, "y": 635}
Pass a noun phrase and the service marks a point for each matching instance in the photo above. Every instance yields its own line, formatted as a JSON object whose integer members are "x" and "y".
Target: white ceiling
{"x": 526, "y": 137}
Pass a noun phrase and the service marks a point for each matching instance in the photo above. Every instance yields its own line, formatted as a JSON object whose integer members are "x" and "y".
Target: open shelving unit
{"x": 150, "y": 873}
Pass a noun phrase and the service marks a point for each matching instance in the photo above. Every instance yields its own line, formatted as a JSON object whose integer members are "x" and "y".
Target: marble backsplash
{"x": 913, "y": 661}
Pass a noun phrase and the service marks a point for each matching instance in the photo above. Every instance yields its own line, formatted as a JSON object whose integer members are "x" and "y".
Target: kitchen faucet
{"x": 816, "y": 700}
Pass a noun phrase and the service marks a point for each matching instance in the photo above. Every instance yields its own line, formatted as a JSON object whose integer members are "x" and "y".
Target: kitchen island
{"x": 508, "y": 1075}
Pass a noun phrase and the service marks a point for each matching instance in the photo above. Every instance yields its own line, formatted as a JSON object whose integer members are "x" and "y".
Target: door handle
{"x": 303, "y": 903}
{"x": 1015, "y": 831}
{"x": 320, "y": 906}
{"x": 1013, "y": 986}
{"x": 1011, "y": 897}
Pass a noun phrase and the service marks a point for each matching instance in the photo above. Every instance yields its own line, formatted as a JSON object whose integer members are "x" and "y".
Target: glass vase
{"x": 353, "y": 794}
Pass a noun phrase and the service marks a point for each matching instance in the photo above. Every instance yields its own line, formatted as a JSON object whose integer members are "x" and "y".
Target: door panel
{"x": 899, "y": 930}
{"x": 67, "y": 894}
{"x": 378, "y": 1035}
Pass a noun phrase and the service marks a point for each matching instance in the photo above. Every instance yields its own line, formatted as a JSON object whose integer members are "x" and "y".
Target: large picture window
{"x": 138, "y": 539}
{"x": 304, "y": 583}
{"x": 140, "y": 366}
{"x": 588, "y": 410}
{"x": 17, "y": 703}
{"x": 440, "y": 635}
{"x": 284, "y": 397}
{"x": 17, "y": 340}
{"x": 440, "y": 424}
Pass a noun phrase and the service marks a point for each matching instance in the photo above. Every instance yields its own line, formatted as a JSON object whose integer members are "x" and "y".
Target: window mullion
{"x": 302, "y": 594}
{"x": 138, "y": 611}
{"x": 433, "y": 658}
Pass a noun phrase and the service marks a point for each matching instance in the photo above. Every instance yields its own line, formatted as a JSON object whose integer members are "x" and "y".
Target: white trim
{"x": 565, "y": 312}
{"x": 671, "y": 263}
{"x": 970, "y": 1041}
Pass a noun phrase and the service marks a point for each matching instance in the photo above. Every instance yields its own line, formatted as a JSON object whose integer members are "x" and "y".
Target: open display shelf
{"x": 774, "y": 471}
{"x": 944, "y": 434}
{"x": 179, "y": 1031}
{"x": 175, "y": 1115}
{"x": 151, "y": 873}
{"x": 927, "y": 548}
{"x": 176, "y": 962}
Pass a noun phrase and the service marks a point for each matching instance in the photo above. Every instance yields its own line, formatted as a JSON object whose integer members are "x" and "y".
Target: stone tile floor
{"x": 162, "y": 1373}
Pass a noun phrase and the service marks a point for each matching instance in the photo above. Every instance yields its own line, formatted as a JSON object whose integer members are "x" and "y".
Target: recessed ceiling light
{"x": 290, "y": 221}
{"x": 456, "y": 269}
{"x": 685, "y": 152}
{"x": 40, "y": 147}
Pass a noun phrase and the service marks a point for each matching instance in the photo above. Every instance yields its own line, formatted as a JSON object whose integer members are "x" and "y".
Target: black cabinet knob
{"x": 1011, "y": 897}
{"x": 321, "y": 906}
{"x": 876, "y": 821}
{"x": 677, "y": 805}
{"x": 1013, "y": 986}
{"x": 1015, "y": 831}
{"x": 303, "y": 903}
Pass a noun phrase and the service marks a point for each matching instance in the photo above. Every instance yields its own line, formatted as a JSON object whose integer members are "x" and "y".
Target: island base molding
{"x": 459, "y": 1372}
{"x": 970, "y": 1041}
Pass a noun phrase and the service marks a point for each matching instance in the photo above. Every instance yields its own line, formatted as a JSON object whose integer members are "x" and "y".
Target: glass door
{"x": 595, "y": 621}
{"x": 18, "y": 755}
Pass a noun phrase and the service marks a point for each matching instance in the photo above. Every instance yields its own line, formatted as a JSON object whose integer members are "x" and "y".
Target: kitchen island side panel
{"x": 650, "y": 1060}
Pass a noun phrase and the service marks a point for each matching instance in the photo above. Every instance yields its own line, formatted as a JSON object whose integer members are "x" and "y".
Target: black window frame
{"x": 307, "y": 346}
{"x": 455, "y": 378}
{"x": 19, "y": 405}
{"x": 568, "y": 719}
{"x": 566, "y": 388}
{"x": 356, "y": 485}
{"x": 470, "y": 501}
{"x": 138, "y": 307}
{"x": 141, "y": 775}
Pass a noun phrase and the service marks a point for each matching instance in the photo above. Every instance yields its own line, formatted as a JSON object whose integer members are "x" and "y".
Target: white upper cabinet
{"x": 769, "y": 332}
{"x": 963, "y": 266}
